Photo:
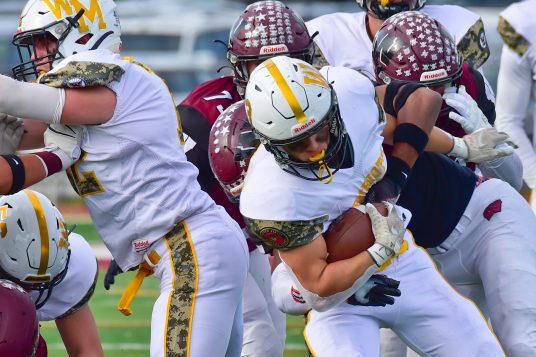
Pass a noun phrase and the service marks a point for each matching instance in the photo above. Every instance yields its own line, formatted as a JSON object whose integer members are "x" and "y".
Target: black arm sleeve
{"x": 484, "y": 103}
{"x": 197, "y": 128}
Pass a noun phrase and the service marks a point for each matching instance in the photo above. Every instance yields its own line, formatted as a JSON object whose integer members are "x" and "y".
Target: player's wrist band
{"x": 411, "y": 134}
{"x": 397, "y": 170}
{"x": 17, "y": 171}
{"x": 51, "y": 162}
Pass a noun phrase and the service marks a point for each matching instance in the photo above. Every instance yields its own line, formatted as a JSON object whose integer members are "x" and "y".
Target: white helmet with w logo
{"x": 288, "y": 100}
{"x": 76, "y": 25}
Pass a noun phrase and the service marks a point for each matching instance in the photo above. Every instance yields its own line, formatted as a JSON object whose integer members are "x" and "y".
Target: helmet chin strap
{"x": 322, "y": 166}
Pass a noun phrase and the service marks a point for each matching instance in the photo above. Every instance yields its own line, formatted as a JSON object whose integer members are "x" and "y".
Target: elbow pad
{"x": 31, "y": 100}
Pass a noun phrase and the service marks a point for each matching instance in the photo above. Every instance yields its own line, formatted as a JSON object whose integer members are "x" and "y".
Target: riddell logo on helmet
{"x": 267, "y": 50}
{"x": 301, "y": 127}
{"x": 437, "y": 74}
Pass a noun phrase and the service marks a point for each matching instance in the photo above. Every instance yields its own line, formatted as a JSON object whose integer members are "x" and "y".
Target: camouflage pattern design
{"x": 78, "y": 74}
{"x": 319, "y": 60}
{"x": 512, "y": 38}
{"x": 285, "y": 235}
{"x": 85, "y": 299}
{"x": 473, "y": 47}
{"x": 184, "y": 293}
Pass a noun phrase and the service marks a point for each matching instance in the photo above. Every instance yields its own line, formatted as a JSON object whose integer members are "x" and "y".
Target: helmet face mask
{"x": 34, "y": 249}
{"x": 74, "y": 27}
{"x": 413, "y": 47}
{"x": 232, "y": 142}
{"x": 281, "y": 119}
{"x": 266, "y": 29}
{"x": 383, "y": 9}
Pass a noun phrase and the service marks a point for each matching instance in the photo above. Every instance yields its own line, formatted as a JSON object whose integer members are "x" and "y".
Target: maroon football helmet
{"x": 231, "y": 144}
{"x": 19, "y": 326}
{"x": 266, "y": 29}
{"x": 383, "y": 9}
{"x": 413, "y": 47}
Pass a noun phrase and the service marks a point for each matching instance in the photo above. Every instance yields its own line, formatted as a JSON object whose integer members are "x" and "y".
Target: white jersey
{"x": 76, "y": 287}
{"x": 516, "y": 89}
{"x": 133, "y": 173}
{"x": 272, "y": 194}
{"x": 344, "y": 41}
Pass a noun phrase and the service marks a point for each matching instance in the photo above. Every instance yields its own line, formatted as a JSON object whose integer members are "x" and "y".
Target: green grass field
{"x": 124, "y": 336}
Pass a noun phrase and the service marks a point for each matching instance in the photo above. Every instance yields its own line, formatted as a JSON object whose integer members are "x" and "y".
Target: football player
{"x": 516, "y": 87}
{"x": 399, "y": 55}
{"x": 263, "y": 30}
{"x": 345, "y": 39}
{"x": 322, "y": 136}
{"x": 19, "y": 329}
{"x": 59, "y": 269}
{"x": 481, "y": 237}
{"x": 128, "y": 163}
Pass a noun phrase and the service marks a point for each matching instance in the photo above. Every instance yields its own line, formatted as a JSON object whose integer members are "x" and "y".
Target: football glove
{"x": 467, "y": 114}
{"x": 483, "y": 145}
{"x": 379, "y": 290}
{"x": 113, "y": 270}
{"x": 11, "y": 130}
{"x": 388, "y": 231}
{"x": 64, "y": 141}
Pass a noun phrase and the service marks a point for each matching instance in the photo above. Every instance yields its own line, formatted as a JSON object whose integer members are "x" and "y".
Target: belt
{"x": 145, "y": 269}
{"x": 403, "y": 249}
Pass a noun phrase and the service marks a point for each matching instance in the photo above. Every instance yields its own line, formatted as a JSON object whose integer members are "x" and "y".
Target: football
{"x": 350, "y": 234}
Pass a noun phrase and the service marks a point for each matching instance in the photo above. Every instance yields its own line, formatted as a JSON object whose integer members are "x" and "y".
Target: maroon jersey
{"x": 198, "y": 112}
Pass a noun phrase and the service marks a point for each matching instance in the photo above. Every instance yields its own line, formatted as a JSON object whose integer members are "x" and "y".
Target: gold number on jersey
{"x": 3, "y": 225}
{"x": 179, "y": 125}
{"x": 86, "y": 182}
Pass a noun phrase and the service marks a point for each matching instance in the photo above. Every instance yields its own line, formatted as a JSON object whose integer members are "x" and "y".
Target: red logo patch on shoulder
{"x": 274, "y": 237}
{"x": 493, "y": 207}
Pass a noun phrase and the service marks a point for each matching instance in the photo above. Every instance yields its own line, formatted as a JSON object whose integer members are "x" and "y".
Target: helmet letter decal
{"x": 312, "y": 76}
{"x": 3, "y": 225}
{"x": 72, "y": 7}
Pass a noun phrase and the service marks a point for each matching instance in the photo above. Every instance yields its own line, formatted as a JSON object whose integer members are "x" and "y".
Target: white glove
{"x": 482, "y": 145}
{"x": 11, "y": 130}
{"x": 388, "y": 231}
{"x": 469, "y": 115}
{"x": 64, "y": 141}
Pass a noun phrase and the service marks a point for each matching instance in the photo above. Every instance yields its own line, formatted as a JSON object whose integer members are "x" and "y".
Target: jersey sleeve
{"x": 285, "y": 235}
{"x": 81, "y": 74}
{"x": 473, "y": 47}
{"x": 511, "y": 38}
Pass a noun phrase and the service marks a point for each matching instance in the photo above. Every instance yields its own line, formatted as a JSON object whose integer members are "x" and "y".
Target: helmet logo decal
{"x": 432, "y": 75}
{"x": 312, "y": 76}
{"x": 3, "y": 225}
{"x": 43, "y": 231}
{"x": 287, "y": 92}
{"x": 267, "y": 50}
{"x": 72, "y": 7}
{"x": 296, "y": 129}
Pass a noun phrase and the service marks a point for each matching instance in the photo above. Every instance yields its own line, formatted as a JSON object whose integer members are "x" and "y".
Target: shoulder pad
{"x": 83, "y": 74}
{"x": 473, "y": 47}
{"x": 514, "y": 40}
{"x": 285, "y": 235}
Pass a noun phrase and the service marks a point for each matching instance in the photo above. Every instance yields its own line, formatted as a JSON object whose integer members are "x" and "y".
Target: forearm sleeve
{"x": 31, "y": 100}
{"x": 320, "y": 303}
{"x": 513, "y": 96}
{"x": 286, "y": 296}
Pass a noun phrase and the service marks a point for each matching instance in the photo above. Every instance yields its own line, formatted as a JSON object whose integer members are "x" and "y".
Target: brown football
{"x": 350, "y": 234}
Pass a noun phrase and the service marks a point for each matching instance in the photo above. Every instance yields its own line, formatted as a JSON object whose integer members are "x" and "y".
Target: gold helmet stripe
{"x": 43, "y": 231}
{"x": 384, "y": 2}
{"x": 287, "y": 92}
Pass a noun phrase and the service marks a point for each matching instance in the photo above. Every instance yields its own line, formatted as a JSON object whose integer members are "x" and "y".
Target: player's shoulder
{"x": 335, "y": 18}
{"x": 348, "y": 82}
{"x": 448, "y": 15}
{"x": 518, "y": 30}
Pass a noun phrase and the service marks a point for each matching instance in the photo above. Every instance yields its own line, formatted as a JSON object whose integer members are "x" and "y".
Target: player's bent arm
{"x": 33, "y": 135}
{"x": 79, "y": 333}
{"x": 91, "y": 105}
{"x": 309, "y": 265}
{"x": 13, "y": 181}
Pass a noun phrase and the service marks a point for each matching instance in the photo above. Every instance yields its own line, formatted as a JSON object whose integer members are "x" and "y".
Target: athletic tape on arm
{"x": 31, "y": 100}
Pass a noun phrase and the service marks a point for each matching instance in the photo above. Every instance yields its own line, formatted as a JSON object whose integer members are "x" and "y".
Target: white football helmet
{"x": 288, "y": 100}
{"x": 76, "y": 25}
{"x": 34, "y": 247}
